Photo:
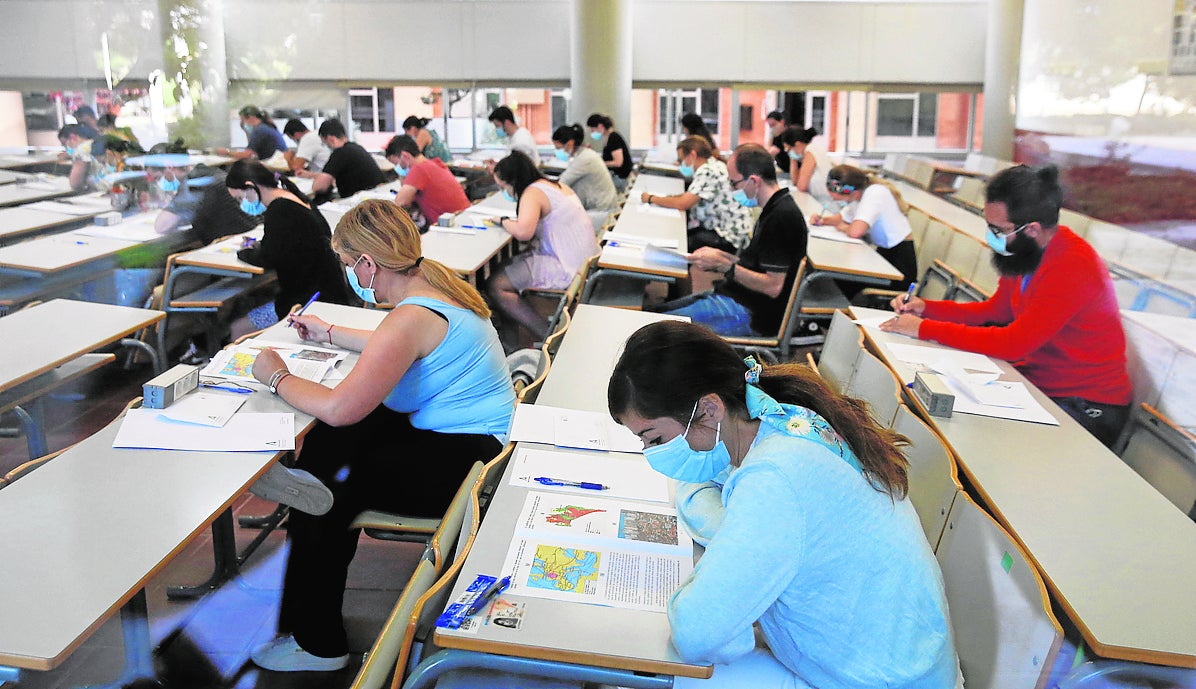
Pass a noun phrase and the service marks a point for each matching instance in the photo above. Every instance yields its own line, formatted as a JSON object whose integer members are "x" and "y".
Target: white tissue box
{"x": 109, "y": 218}
{"x": 446, "y": 219}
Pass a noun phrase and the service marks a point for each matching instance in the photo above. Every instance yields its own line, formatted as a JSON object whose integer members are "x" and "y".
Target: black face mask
{"x": 1026, "y": 255}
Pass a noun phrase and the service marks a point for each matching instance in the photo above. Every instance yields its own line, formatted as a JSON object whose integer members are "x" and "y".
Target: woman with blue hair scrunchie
{"x": 296, "y": 244}
{"x": 800, "y": 499}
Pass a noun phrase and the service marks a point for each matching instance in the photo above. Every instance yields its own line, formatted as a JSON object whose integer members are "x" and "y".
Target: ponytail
{"x": 451, "y": 285}
{"x": 286, "y": 183}
{"x": 902, "y": 204}
{"x": 569, "y": 132}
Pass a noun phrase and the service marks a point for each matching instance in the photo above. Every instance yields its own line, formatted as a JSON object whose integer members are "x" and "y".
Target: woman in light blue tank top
{"x": 429, "y": 397}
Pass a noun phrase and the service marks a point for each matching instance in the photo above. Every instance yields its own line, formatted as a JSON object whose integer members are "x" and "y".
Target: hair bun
{"x": 1048, "y": 174}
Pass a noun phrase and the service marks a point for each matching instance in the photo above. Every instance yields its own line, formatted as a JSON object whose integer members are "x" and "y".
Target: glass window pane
{"x": 927, "y": 113}
{"x": 362, "y": 112}
{"x": 710, "y": 109}
{"x": 894, "y": 116}
{"x": 386, "y": 110}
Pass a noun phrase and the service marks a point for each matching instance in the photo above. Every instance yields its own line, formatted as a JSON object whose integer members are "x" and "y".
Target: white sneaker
{"x": 294, "y": 487}
{"x": 284, "y": 655}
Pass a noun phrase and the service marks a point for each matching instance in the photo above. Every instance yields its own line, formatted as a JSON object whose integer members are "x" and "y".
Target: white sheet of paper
{"x": 580, "y": 429}
{"x": 928, "y": 356}
{"x": 64, "y": 207}
{"x": 1029, "y": 409}
{"x": 204, "y": 409}
{"x": 624, "y": 476}
{"x": 874, "y": 321}
{"x": 833, "y": 235}
{"x": 665, "y": 257}
{"x": 453, "y": 230}
{"x": 662, "y": 212}
{"x": 248, "y": 432}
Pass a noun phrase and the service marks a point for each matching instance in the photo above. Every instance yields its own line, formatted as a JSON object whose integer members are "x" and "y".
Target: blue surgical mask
{"x": 70, "y": 151}
{"x": 741, "y": 197}
{"x": 676, "y": 459}
{"x": 252, "y": 207}
{"x": 246, "y": 128}
{"x": 366, "y": 293}
{"x": 686, "y": 170}
{"x": 500, "y": 132}
{"x": 997, "y": 242}
{"x": 596, "y": 136}
{"x": 169, "y": 186}
{"x": 562, "y": 155}
{"x": 794, "y": 155}
{"x": 507, "y": 195}
{"x": 402, "y": 171}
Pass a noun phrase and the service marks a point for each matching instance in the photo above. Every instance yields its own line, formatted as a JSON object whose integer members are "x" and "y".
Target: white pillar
{"x": 1002, "y": 61}
{"x": 199, "y": 76}
{"x": 600, "y": 74}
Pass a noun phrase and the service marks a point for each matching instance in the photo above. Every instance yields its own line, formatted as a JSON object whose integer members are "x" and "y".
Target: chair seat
{"x": 389, "y": 521}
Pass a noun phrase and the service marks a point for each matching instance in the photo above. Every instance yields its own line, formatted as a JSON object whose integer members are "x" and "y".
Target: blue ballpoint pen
{"x": 909, "y": 295}
{"x": 303, "y": 308}
{"x": 474, "y": 227}
{"x": 227, "y": 387}
{"x": 491, "y": 593}
{"x": 546, "y": 481}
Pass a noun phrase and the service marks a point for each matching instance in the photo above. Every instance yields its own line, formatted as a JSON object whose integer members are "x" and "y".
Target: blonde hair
{"x": 849, "y": 174}
{"x": 384, "y": 231}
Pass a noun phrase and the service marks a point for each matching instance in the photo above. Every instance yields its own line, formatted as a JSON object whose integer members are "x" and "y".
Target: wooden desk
{"x": 21, "y": 222}
{"x": 657, "y": 185}
{"x": 642, "y": 221}
{"x": 558, "y": 630}
{"x": 16, "y": 161}
{"x": 39, "y": 343}
{"x": 849, "y": 261}
{"x": 8, "y": 176}
{"x": 1115, "y": 553}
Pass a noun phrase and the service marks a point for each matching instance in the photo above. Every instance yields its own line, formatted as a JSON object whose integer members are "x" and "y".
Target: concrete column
{"x": 600, "y": 74}
{"x": 1002, "y": 61}
{"x": 196, "y": 70}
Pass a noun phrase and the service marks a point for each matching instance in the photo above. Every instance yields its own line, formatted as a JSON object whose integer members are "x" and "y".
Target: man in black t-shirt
{"x": 350, "y": 166}
{"x": 752, "y": 297}
{"x": 776, "y": 127}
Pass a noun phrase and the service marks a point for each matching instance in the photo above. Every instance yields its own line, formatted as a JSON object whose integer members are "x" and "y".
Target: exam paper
{"x": 591, "y": 550}
{"x": 248, "y": 432}
{"x": 636, "y": 240}
{"x": 204, "y": 409}
{"x": 571, "y": 428}
{"x": 833, "y": 235}
{"x": 1027, "y": 409}
{"x": 665, "y": 257}
{"x": 305, "y": 361}
{"x": 624, "y": 477}
{"x": 921, "y": 357}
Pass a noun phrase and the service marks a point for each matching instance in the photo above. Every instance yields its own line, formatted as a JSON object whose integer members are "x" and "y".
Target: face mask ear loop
{"x": 691, "y": 420}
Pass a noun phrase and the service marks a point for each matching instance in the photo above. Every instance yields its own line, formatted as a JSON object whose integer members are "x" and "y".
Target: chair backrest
{"x": 1076, "y": 221}
{"x": 938, "y": 281}
{"x": 1108, "y": 239}
{"x": 966, "y": 292}
{"x": 1005, "y": 633}
{"x": 970, "y": 192}
{"x": 444, "y": 539}
{"x": 1162, "y": 453}
{"x": 840, "y": 351}
{"x": 1148, "y": 255}
{"x": 963, "y": 254}
{"x": 933, "y": 479}
{"x": 934, "y": 244}
{"x": 918, "y": 221}
{"x": 985, "y": 275}
{"x": 395, "y": 639}
{"x": 875, "y": 383}
{"x": 528, "y": 393}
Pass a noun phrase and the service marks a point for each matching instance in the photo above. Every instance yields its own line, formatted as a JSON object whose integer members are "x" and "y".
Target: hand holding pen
{"x": 291, "y": 317}
{"x": 908, "y": 303}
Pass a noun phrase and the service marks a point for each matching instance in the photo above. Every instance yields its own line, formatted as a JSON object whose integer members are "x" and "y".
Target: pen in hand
{"x": 909, "y": 294}
{"x": 303, "y": 308}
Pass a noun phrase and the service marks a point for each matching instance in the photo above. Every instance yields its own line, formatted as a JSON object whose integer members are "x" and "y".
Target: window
{"x": 363, "y": 109}
{"x": 895, "y": 115}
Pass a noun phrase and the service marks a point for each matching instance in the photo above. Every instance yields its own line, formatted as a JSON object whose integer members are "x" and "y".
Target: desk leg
{"x": 450, "y": 659}
{"x": 224, "y": 545}
{"x": 139, "y": 650}
{"x": 32, "y": 418}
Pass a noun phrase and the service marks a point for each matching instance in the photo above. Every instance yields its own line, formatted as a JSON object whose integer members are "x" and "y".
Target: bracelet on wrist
{"x": 329, "y": 333}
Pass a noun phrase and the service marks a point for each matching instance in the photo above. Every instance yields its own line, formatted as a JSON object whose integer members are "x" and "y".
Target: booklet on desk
{"x": 248, "y": 432}
{"x": 604, "y": 552}
{"x": 623, "y": 476}
{"x": 586, "y": 430}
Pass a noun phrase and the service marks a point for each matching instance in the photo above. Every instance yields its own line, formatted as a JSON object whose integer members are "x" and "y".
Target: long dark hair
{"x": 245, "y": 171}
{"x": 520, "y": 172}
{"x": 569, "y": 132}
{"x": 417, "y": 122}
{"x": 696, "y": 126}
{"x": 667, "y": 365}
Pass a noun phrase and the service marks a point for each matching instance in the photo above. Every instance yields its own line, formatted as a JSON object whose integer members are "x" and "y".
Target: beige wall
{"x": 12, "y": 120}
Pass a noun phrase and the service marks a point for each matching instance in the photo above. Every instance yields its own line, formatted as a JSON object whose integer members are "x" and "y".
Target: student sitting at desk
{"x": 427, "y": 182}
{"x": 350, "y": 167}
{"x": 295, "y": 244}
{"x": 615, "y": 152}
{"x": 430, "y": 396}
{"x": 515, "y": 137}
{"x": 874, "y": 208}
{"x": 264, "y": 139}
{"x": 801, "y": 502}
{"x": 552, "y": 216}
{"x": 429, "y": 142}
{"x": 200, "y": 200}
{"x": 86, "y": 156}
{"x": 310, "y": 154}
{"x": 1054, "y": 314}
{"x": 585, "y": 173}
{"x": 752, "y": 296}
{"x": 715, "y": 219}
{"x": 692, "y": 124}
{"x": 809, "y": 165}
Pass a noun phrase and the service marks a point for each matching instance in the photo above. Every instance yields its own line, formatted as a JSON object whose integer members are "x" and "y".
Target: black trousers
{"x": 904, "y": 258}
{"x": 381, "y": 462}
{"x": 1104, "y": 421}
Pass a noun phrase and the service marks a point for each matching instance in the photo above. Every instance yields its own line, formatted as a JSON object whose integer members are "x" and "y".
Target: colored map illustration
{"x": 564, "y": 515}
{"x": 239, "y": 365}
{"x": 564, "y": 569}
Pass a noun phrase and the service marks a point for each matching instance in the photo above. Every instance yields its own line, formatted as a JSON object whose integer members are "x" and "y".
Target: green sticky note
{"x": 1007, "y": 562}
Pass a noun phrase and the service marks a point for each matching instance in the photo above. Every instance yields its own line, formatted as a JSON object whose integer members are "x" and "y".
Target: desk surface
{"x": 558, "y": 630}
{"x": 581, "y": 368}
{"x": 35, "y": 189}
{"x": 18, "y": 160}
{"x": 19, "y": 221}
{"x": 1116, "y": 553}
{"x": 61, "y": 252}
{"x": 40, "y": 338}
{"x": 656, "y": 184}
{"x": 848, "y": 258}
{"x": 222, "y": 255}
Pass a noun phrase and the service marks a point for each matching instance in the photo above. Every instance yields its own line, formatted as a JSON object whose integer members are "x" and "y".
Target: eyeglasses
{"x": 1001, "y": 231}
{"x": 836, "y": 187}
{"x": 736, "y": 182}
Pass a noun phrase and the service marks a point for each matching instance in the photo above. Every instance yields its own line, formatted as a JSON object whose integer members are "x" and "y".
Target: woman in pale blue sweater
{"x": 800, "y": 499}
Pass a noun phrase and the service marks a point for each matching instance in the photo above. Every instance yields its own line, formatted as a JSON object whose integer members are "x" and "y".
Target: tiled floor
{"x": 205, "y": 644}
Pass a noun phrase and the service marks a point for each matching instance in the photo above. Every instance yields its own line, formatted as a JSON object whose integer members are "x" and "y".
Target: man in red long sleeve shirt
{"x": 1054, "y": 314}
